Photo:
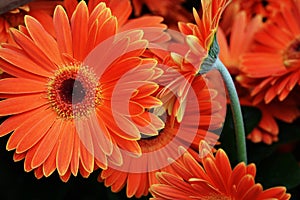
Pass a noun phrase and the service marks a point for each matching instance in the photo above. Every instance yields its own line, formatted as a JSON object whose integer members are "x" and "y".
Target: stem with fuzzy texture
{"x": 236, "y": 111}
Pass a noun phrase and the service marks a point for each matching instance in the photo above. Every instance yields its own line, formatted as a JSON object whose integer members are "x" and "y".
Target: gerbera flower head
{"x": 201, "y": 116}
{"x": 274, "y": 73}
{"x": 78, "y": 98}
{"x": 232, "y": 48}
{"x": 266, "y": 9}
{"x": 40, "y": 9}
{"x": 211, "y": 178}
{"x": 207, "y": 25}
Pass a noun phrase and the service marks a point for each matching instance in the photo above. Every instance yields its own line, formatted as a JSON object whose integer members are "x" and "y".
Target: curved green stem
{"x": 236, "y": 111}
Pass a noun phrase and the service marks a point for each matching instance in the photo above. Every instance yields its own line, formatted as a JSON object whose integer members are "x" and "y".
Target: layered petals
{"x": 69, "y": 110}
{"x": 211, "y": 178}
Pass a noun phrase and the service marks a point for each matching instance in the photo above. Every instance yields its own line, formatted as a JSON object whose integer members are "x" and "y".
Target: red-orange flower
{"x": 188, "y": 57}
{"x": 239, "y": 42}
{"x": 40, "y": 9}
{"x": 273, "y": 66}
{"x": 66, "y": 111}
{"x": 266, "y": 9}
{"x": 202, "y": 114}
{"x": 212, "y": 178}
{"x": 207, "y": 25}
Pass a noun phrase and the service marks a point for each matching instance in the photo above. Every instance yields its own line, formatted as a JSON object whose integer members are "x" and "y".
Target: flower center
{"x": 74, "y": 91}
{"x": 165, "y": 136}
{"x": 292, "y": 53}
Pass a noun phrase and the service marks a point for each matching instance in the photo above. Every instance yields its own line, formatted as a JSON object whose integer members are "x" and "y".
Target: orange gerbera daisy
{"x": 73, "y": 110}
{"x": 202, "y": 114}
{"x": 240, "y": 40}
{"x": 266, "y": 9}
{"x": 274, "y": 64}
{"x": 207, "y": 25}
{"x": 212, "y": 178}
{"x": 40, "y": 9}
{"x": 188, "y": 57}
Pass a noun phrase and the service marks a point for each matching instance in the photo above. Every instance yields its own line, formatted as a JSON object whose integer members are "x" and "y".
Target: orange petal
{"x": 129, "y": 147}
{"x": 65, "y": 148}
{"x": 143, "y": 186}
{"x": 20, "y": 85}
{"x": 107, "y": 29}
{"x": 17, "y": 72}
{"x": 43, "y": 40}
{"x": 121, "y": 9}
{"x": 116, "y": 156}
{"x": 49, "y": 165}
{"x": 75, "y": 156}
{"x": 66, "y": 176}
{"x": 79, "y": 26}
{"x": 37, "y": 131}
{"x": 22, "y": 61}
{"x": 223, "y": 164}
{"x": 86, "y": 145}
{"x": 87, "y": 159}
{"x": 133, "y": 182}
{"x": 47, "y": 144}
{"x": 149, "y": 102}
{"x": 119, "y": 124}
{"x": 21, "y": 104}
{"x": 38, "y": 173}
{"x": 18, "y": 156}
{"x": 24, "y": 127}
{"x": 99, "y": 12}
{"x": 14, "y": 122}
{"x": 102, "y": 135}
{"x": 120, "y": 182}
{"x": 28, "y": 158}
{"x": 32, "y": 50}
{"x": 63, "y": 30}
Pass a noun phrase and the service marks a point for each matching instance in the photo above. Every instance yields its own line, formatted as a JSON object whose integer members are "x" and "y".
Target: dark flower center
{"x": 292, "y": 53}
{"x": 72, "y": 91}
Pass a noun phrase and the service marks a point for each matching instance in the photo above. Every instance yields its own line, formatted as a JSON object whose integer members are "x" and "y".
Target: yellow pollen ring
{"x": 74, "y": 91}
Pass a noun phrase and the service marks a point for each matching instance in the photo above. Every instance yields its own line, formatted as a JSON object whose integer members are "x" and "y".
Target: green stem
{"x": 236, "y": 112}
